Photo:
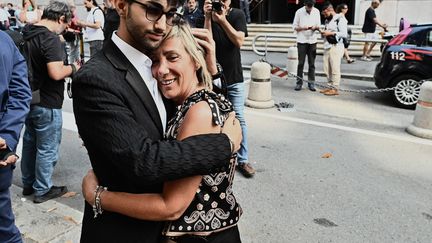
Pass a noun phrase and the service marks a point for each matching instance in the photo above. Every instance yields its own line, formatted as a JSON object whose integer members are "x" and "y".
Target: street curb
{"x": 51, "y": 221}
{"x": 355, "y": 76}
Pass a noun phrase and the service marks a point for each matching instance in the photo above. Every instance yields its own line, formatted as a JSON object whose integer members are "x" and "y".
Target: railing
{"x": 293, "y": 37}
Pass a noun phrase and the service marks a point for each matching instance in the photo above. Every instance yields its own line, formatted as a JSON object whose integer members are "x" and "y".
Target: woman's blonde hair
{"x": 183, "y": 32}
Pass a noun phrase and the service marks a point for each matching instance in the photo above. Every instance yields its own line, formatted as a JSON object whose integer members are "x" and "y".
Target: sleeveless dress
{"x": 214, "y": 207}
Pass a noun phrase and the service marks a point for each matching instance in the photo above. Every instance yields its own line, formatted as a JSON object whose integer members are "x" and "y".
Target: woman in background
{"x": 343, "y": 9}
{"x": 30, "y": 13}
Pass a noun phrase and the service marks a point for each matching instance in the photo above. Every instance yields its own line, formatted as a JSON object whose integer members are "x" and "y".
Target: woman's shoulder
{"x": 207, "y": 104}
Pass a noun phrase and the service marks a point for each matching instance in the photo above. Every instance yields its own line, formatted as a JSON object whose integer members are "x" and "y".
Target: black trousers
{"x": 231, "y": 235}
{"x": 304, "y": 50}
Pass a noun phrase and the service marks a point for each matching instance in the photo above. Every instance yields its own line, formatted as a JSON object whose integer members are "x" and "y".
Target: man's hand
{"x": 2, "y": 143}
{"x": 327, "y": 33}
{"x": 12, "y": 159}
{"x": 220, "y": 17}
{"x": 233, "y": 130}
{"x": 208, "y": 8}
{"x": 205, "y": 40}
{"x": 89, "y": 184}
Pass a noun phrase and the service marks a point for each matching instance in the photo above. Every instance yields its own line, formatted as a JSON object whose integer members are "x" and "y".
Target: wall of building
{"x": 390, "y": 11}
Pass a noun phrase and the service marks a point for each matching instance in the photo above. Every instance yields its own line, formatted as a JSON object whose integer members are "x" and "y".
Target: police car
{"x": 405, "y": 63}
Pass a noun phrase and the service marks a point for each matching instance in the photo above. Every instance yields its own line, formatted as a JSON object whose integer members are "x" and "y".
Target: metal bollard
{"x": 292, "y": 60}
{"x": 422, "y": 124}
{"x": 260, "y": 87}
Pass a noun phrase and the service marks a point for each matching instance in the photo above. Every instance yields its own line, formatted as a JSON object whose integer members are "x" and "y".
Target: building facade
{"x": 282, "y": 11}
{"x": 390, "y": 11}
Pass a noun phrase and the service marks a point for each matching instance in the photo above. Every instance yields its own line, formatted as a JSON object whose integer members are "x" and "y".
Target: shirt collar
{"x": 136, "y": 57}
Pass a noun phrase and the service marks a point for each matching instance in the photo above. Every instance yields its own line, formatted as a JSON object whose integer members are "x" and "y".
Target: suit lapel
{"x": 119, "y": 60}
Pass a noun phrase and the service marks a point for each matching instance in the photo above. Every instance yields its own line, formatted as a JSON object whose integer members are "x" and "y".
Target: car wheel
{"x": 407, "y": 90}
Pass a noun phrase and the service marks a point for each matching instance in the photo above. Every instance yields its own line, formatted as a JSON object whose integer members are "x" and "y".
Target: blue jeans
{"x": 8, "y": 231}
{"x": 40, "y": 151}
{"x": 237, "y": 97}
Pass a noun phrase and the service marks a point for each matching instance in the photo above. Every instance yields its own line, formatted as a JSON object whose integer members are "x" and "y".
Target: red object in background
{"x": 301, "y": 1}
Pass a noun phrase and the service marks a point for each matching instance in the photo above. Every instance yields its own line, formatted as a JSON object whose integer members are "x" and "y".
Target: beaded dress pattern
{"x": 214, "y": 206}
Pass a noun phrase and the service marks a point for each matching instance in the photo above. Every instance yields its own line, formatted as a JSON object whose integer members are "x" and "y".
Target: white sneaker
{"x": 366, "y": 59}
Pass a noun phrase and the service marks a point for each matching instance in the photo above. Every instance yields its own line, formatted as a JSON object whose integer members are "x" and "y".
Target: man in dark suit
{"x": 15, "y": 97}
{"x": 121, "y": 118}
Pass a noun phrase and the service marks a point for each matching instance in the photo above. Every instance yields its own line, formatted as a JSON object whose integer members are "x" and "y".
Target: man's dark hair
{"x": 309, "y": 3}
{"x": 327, "y": 5}
{"x": 55, "y": 10}
{"x": 340, "y": 7}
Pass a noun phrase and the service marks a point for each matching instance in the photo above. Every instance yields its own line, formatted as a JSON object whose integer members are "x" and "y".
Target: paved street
{"x": 374, "y": 187}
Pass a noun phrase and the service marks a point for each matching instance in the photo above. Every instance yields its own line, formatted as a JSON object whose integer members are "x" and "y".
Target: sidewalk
{"x": 50, "y": 221}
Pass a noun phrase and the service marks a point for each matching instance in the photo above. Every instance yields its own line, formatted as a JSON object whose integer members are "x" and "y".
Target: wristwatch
{"x": 219, "y": 73}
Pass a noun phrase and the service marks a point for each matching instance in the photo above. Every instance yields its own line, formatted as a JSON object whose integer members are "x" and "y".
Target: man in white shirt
{"x": 306, "y": 22}
{"x": 93, "y": 26}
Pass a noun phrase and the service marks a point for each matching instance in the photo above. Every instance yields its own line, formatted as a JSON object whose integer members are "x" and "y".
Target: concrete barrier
{"x": 260, "y": 87}
{"x": 422, "y": 124}
{"x": 292, "y": 60}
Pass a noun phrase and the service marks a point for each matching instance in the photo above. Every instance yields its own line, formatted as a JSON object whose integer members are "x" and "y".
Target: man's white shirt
{"x": 95, "y": 15}
{"x": 303, "y": 19}
{"x": 142, "y": 64}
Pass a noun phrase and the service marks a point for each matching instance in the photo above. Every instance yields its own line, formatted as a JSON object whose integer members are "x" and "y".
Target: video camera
{"x": 216, "y": 6}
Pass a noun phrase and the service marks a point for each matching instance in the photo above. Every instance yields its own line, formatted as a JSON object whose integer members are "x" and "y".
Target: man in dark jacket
{"x": 15, "y": 99}
{"x": 42, "y": 135}
{"x": 121, "y": 117}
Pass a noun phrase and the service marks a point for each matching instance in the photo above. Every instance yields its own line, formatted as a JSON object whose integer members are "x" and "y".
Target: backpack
{"x": 23, "y": 47}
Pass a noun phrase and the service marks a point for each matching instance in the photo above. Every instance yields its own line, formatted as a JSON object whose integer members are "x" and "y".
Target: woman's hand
{"x": 89, "y": 184}
{"x": 205, "y": 40}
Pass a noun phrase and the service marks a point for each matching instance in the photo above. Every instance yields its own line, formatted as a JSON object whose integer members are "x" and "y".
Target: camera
{"x": 216, "y": 6}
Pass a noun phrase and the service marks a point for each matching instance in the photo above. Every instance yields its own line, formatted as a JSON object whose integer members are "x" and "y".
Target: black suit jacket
{"x": 121, "y": 129}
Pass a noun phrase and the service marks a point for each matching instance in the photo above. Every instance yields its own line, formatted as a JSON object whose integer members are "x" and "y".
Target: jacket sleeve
{"x": 114, "y": 138}
{"x": 18, "y": 101}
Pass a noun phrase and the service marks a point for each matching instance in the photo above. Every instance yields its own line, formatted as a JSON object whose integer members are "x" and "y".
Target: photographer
{"x": 228, "y": 26}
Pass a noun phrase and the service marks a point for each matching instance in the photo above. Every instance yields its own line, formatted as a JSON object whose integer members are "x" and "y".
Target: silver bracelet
{"x": 97, "y": 207}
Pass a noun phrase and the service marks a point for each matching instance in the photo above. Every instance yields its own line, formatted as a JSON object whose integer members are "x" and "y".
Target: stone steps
{"x": 282, "y": 44}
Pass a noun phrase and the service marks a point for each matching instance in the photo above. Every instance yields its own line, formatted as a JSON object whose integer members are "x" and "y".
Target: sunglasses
{"x": 154, "y": 13}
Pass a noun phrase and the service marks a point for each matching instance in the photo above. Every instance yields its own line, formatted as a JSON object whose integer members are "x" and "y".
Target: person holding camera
{"x": 336, "y": 27}
{"x": 228, "y": 26}
{"x": 306, "y": 21}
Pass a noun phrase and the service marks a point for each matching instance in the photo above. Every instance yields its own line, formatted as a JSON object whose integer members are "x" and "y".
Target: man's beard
{"x": 88, "y": 9}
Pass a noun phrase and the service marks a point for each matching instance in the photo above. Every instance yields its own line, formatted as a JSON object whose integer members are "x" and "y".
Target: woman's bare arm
{"x": 176, "y": 195}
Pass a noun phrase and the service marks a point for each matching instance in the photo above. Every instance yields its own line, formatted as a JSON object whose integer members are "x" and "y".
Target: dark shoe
{"x": 27, "y": 191}
{"x": 350, "y": 61}
{"x": 298, "y": 87}
{"x": 312, "y": 87}
{"x": 246, "y": 169}
{"x": 54, "y": 192}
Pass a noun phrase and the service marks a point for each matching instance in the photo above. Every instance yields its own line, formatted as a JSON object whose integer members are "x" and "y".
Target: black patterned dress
{"x": 214, "y": 207}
